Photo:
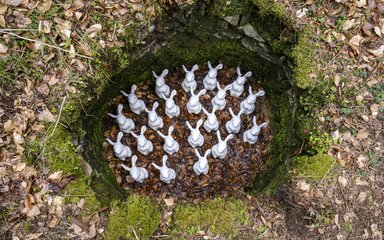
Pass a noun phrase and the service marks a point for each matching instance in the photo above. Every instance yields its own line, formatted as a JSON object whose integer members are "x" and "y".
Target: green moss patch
{"x": 137, "y": 215}
{"x": 315, "y": 167}
{"x": 80, "y": 189}
{"x": 224, "y": 217}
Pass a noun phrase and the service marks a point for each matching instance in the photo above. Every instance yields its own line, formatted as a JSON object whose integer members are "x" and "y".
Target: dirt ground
{"x": 46, "y": 47}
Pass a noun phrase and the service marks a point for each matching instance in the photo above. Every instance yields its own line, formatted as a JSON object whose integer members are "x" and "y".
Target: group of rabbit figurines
{"x": 172, "y": 110}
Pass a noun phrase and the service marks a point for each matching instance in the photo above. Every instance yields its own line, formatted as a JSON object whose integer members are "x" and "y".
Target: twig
{"x": 13, "y": 224}
{"x": 134, "y": 232}
{"x": 46, "y": 44}
{"x": 58, "y": 118}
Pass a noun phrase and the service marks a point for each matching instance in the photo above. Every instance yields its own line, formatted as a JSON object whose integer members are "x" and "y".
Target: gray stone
{"x": 231, "y": 34}
{"x": 254, "y": 46}
{"x": 233, "y": 20}
{"x": 251, "y": 32}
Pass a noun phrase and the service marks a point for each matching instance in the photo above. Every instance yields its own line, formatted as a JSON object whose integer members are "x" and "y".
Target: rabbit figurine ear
{"x": 220, "y": 66}
{"x": 125, "y": 167}
{"x": 133, "y": 88}
{"x": 195, "y": 67}
{"x": 165, "y": 158}
{"x": 155, "y": 105}
{"x": 229, "y": 137}
{"x": 170, "y": 130}
{"x": 185, "y": 69}
{"x": 254, "y": 120}
{"x": 120, "y": 108}
{"x": 218, "y": 86}
{"x": 250, "y": 90}
{"x": 112, "y": 115}
{"x": 241, "y": 112}
{"x": 263, "y": 125}
{"x": 189, "y": 125}
{"x": 205, "y": 111}
{"x": 238, "y": 71}
{"x": 110, "y": 141}
{"x": 214, "y": 108}
{"x": 207, "y": 152}
{"x": 143, "y": 129}
{"x": 218, "y": 135}
{"x": 197, "y": 153}
{"x": 260, "y": 93}
{"x": 248, "y": 74}
{"x": 163, "y": 96}
{"x": 120, "y": 136}
{"x": 228, "y": 87}
{"x": 199, "y": 123}
{"x": 134, "y": 160}
{"x": 209, "y": 65}
{"x": 161, "y": 135}
{"x": 164, "y": 73}
{"x": 156, "y": 166}
{"x": 231, "y": 112}
{"x": 202, "y": 91}
{"x": 173, "y": 93}
{"x": 124, "y": 93}
{"x": 154, "y": 74}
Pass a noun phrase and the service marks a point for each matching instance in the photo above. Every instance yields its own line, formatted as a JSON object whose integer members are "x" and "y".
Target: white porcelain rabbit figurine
{"x": 125, "y": 124}
{"x": 136, "y": 105}
{"x": 211, "y": 122}
{"x": 189, "y": 80}
{"x": 219, "y": 99}
{"x": 154, "y": 121}
{"x": 210, "y": 80}
{"x": 248, "y": 104}
{"x": 171, "y": 109}
{"x": 144, "y": 145}
{"x": 195, "y": 139}
{"x": 201, "y": 166}
{"x": 252, "y": 135}
{"x": 121, "y": 151}
{"x": 166, "y": 174}
{"x": 139, "y": 174}
{"x": 194, "y": 105}
{"x": 234, "y": 125}
{"x": 238, "y": 85}
{"x": 170, "y": 145}
{"x": 161, "y": 87}
{"x": 220, "y": 149}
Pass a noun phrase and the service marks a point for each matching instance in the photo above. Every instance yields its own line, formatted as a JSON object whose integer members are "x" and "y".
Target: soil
{"x": 226, "y": 176}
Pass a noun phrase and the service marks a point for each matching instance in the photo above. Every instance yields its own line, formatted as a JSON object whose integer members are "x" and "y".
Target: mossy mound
{"x": 315, "y": 167}
{"x": 223, "y": 217}
{"x": 138, "y": 217}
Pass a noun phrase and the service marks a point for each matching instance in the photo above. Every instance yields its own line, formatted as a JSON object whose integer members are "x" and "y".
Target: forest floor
{"x": 47, "y": 47}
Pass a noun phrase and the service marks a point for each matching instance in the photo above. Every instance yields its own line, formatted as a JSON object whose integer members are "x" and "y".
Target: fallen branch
{"x": 46, "y": 44}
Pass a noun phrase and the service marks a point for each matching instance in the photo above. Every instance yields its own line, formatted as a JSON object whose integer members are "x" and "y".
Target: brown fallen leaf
{"x": 3, "y": 48}
{"x": 363, "y": 133}
{"x": 82, "y": 225}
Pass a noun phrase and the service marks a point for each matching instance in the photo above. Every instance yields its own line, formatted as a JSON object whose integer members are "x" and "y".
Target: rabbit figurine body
{"x": 194, "y": 105}
{"x": 201, "y": 166}
{"x": 170, "y": 145}
{"x": 211, "y": 122}
{"x": 219, "y": 99}
{"x": 139, "y": 174}
{"x": 234, "y": 125}
{"x": 220, "y": 150}
{"x": 189, "y": 80}
{"x": 171, "y": 109}
{"x": 238, "y": 85}
{"x": 161, "y": 87}
{"x": 154, "y": 120}
{"x": 144, "y": 145}
{"x": 136, "y": 105}
{"x": 195, "y": 139}
{"x": 252, "y": 135}
{"x": 166, "y": 174}
{"x": 121, "y": 151}
{"x": 248, "y": 104}
{"x": 210, "y": 79}
{"x": 125, "y": 124}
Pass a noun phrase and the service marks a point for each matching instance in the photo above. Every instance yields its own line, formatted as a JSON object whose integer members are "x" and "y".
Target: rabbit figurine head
{"x": 255, "y": 130}
{"x": 203, "y": 162}
{"x": 222, "y": 144}
{"x": 132, "y": 98}
{"x": 195, "y": 132}
{"x": 212, "y": 73}
{"x": 194, "y": 100}
{"x": 120, "y": 118}
{"x": 121, "y": 151}
{"x": 241, "y": 78}
{"x": 160, "y": 79}
{"x": 141, "y": 139}
{"x": 252, "y": 96}
{"x": 190, "y": 75}
{"x": 166, "y": 174}
{"x": 222, "y": 91}
{"x": 134, "y": 170}
{"x": 211, "y": 115}
{"x": 152, "y": 115}
{"x": 169, "y": 102}
{"x": 236, "y": 119}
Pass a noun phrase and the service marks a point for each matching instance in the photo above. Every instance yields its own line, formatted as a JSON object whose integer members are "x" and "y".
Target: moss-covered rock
{"x": 315, "y": 167}
{"x": 137, "y": 215}
{"x": 224, "y": 217}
